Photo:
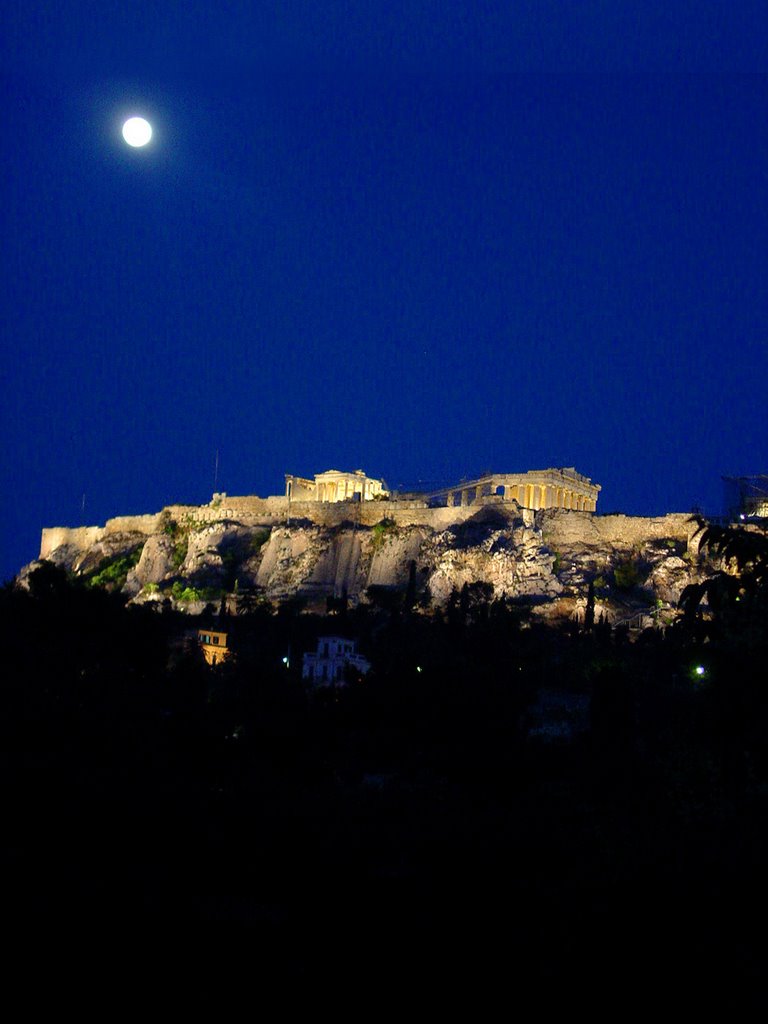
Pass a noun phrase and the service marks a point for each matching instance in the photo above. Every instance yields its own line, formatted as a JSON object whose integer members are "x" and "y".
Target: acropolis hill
{"x": 532, "y": 535}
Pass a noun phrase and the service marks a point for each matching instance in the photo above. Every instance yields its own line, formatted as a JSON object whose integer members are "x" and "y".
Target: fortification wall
{"x": 248, "y": 508}
{"x": 81, "y": 538}
{"x": 147, "y": 524}
{"x": 268, "y": 512}
{"x": 561, "y": 528}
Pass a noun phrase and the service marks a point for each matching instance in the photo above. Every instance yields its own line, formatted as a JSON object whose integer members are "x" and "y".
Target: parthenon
{"x": 536, "y": 489}
{"x": 544, "y": 488}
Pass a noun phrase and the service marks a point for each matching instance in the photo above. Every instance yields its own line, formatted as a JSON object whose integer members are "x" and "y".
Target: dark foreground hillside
{"x": 418, "y": 826}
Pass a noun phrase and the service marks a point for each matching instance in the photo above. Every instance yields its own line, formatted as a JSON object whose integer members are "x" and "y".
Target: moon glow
{"x": 137, "y": 132}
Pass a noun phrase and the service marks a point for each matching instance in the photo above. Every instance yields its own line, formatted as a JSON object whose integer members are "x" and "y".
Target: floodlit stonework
{"x": 333, "y": 497}
{"x": 536, "y": 489}
{"x": 530, "y": 536}
{"x": 334, "y": 485}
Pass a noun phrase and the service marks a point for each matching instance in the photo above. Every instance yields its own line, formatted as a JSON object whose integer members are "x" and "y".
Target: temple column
{"x": 465, "y": 497}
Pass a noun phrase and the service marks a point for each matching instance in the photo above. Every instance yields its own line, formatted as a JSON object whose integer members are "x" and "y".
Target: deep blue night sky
{"x": 422, "y": 239}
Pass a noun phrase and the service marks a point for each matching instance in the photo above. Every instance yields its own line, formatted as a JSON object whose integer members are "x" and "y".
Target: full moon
{"x": 137, "y": 131}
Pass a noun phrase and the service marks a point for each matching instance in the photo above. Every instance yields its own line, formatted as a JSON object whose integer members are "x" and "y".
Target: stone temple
{"x": 536, "y": 489}
{"x": 334, "y": 485}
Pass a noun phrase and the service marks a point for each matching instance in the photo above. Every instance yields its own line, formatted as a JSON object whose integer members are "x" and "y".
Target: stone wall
{"x": 79, "y": 538}
{"x": 562, "y": 528}
{"x": 147, "y": 524}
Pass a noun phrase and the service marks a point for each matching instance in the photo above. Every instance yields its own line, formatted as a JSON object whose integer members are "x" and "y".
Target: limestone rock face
{"x": 550, "y": 557}
{"x": 289, "y": 558}
{"x": 669, "y": 577}
{"x": 105, "y": 549}
{"x": 388, "y": 561}
{"x": 512, "y": 558}
{"x": 154, "y": 564}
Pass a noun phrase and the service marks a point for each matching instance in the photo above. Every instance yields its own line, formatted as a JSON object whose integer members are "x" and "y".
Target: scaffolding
{"x": 746, "y": 497}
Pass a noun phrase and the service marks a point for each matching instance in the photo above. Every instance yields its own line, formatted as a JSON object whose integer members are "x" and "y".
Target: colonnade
{"x": 569, "y": 492}
{"x": 344, "y": 489}
{"x": 538, "y": 489}
{"x": 333, "y": 485}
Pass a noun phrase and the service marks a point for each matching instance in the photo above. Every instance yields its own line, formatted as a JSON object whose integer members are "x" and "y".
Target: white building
{"x": 330, "y": 664}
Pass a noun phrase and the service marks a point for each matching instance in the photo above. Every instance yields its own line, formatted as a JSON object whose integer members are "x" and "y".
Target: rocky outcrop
{"x": 549, "y": 559}
{"x": 495, "y": 548}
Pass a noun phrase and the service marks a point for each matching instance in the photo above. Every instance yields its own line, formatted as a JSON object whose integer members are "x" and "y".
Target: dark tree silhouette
{"x": 740, "y": 584}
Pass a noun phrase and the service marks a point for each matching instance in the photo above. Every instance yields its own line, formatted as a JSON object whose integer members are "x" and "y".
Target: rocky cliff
{"x": 636, "y": 566}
